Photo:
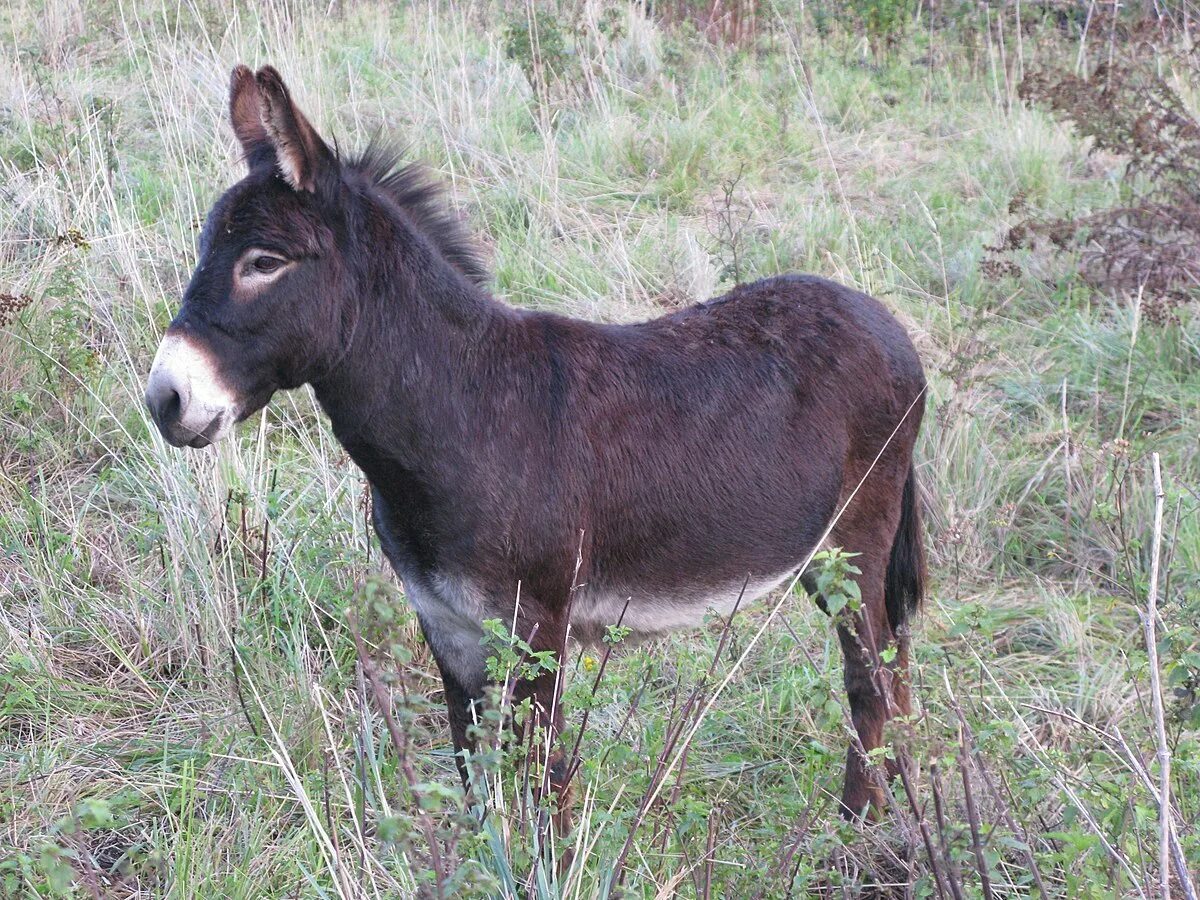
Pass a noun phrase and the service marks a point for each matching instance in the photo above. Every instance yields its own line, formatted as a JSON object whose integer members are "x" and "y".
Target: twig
{"x": 383, "y": 703}
{"x": 1164, "y": 752}
{"x": 964, "y": 763}
{"x": 235, "y": 661}
{"x": 939, "y": 879}
{"x": 674, "y": 737}
{"x": 969, "y": 750}
{"x": 954, "y": 876}
{"x": 790, "y": 846}
{"x": 573, "y": 760}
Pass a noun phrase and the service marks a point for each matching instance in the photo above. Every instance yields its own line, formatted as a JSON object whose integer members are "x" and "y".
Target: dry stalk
{"x": 383, "y": 702}
{"x": 964, "y": 763}
{"x": 1160, "y": 726}
{"x": 1181, "y": 865}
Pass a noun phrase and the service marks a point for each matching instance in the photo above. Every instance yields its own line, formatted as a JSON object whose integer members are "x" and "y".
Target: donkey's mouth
{"x": 179, "y": 436}
{"x": 211, "y": 433}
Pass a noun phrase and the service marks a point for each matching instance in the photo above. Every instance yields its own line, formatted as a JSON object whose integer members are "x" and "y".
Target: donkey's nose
{"x": 164, "y": 401}
{"x": 185, "y": 395}
{"x": 164, "y": 406}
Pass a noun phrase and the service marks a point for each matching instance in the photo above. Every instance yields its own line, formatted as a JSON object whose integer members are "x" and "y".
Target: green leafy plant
{"x": 538, "y": 43}
{"x": 834, "y": 579}
{"x": 511, "y": 657}
{"x": 884, "y": 21}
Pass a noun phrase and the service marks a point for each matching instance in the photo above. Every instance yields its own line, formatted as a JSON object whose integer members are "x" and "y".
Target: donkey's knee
{"x": 868, "y": 710}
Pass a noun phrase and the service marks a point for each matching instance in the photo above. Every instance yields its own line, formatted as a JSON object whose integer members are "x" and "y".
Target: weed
{"x": 728, "y": 227}
{"x": 1149, "y": 246}
{"x": 884, "y": 21}
{"x": 537, "y": 43}
{"x": 11, "y": 306}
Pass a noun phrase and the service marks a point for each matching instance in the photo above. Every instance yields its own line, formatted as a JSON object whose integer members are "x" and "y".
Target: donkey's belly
{"x": 650, "y": 613}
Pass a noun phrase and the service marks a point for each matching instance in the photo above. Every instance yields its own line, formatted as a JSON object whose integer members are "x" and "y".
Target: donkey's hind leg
{"x": 871, "y": 681}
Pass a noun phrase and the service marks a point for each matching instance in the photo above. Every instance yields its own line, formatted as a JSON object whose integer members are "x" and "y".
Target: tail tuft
{"x": 905, "y": 585}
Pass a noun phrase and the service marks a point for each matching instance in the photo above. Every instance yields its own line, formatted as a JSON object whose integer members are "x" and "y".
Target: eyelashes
{"x": 266, "y": 265}
{"x": 258, "y": 268}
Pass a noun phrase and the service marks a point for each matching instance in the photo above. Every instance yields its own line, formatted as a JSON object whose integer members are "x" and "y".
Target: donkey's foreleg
{"x": 460, "y": 658}
{"x": 543, "y": 727}
{"x": 463, "y": 701}
{"x": 542, "y": 734}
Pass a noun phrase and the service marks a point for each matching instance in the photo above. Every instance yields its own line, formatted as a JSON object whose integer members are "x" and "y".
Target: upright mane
{"x": 423, "y": 198}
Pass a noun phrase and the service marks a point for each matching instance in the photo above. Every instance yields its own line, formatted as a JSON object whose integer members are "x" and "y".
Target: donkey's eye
{"x": 265, "y": 265}
{"x": 256, "y": 270}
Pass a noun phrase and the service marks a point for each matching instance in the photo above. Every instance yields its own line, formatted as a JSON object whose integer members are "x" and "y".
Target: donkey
{"x": 561, "y": 474}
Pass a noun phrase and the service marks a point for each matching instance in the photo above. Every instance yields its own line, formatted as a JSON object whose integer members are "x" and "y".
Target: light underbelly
{"x": 647, "y": 614}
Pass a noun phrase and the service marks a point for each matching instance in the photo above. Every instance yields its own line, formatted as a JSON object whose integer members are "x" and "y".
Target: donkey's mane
{"x": 414, "y": 189}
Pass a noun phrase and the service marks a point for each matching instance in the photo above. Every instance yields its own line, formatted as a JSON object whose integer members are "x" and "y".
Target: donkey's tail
{"x": 905, "y": 585}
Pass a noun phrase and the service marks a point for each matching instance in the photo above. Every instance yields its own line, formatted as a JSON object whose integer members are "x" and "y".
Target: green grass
{"x": 181, "y": 709}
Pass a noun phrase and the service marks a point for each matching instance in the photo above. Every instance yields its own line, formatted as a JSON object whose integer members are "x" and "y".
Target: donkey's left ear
{"x": 302, "y": 156}
{"x": 245, "y": 114}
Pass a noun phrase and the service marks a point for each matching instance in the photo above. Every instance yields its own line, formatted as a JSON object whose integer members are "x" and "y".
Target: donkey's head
{"x": 266, "y": 308}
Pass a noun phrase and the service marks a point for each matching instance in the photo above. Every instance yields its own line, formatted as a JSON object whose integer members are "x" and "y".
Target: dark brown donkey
{"x": 590, "y": 470}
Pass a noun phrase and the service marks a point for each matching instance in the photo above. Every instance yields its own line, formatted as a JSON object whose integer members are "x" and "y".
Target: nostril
{"x": 164, "y": 403}
{"x": 169, "y": 408}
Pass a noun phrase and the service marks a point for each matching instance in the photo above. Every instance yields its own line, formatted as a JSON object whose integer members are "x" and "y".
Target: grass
{"x": 182, "y": 710}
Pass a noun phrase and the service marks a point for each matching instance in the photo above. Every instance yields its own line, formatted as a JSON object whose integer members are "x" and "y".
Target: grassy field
{"x": 182, "y": 710}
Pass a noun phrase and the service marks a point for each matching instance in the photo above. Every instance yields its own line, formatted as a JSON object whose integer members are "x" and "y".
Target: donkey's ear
{"x": 245, "y": 113}
{"x": 301, "y": 154}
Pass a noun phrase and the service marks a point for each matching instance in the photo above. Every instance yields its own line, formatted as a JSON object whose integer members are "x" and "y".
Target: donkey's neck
{"x": 414, "y": 380}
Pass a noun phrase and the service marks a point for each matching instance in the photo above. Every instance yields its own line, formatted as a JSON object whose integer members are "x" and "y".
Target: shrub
{"x": 1150, "y": 244}
{"x": 538, "y": 44}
